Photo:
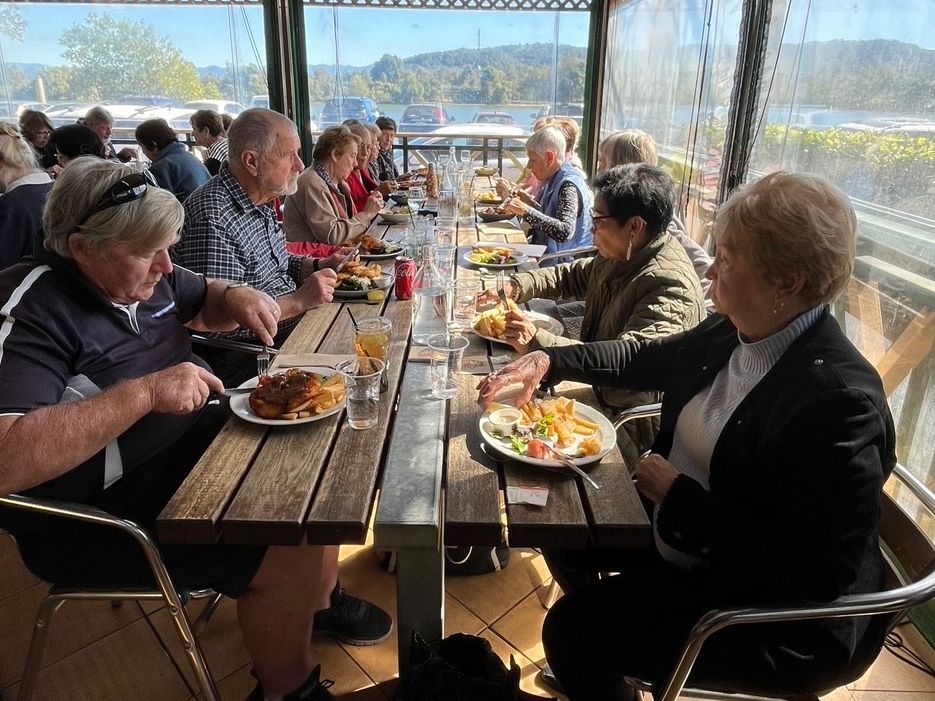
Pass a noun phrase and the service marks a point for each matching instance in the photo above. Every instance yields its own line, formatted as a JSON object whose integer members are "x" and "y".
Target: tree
{"x": 114, "y": 57}
{"x": 13, "y": 26}
{"x": 387, "y": 69}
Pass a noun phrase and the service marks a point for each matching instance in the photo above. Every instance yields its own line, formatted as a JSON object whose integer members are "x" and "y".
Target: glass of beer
{"x": 372, "y": 341}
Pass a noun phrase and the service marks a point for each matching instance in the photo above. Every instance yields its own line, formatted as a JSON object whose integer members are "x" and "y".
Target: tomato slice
{"x": 536, "y": 449}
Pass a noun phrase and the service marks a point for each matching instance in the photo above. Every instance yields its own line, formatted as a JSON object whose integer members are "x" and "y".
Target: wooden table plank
{"x": 472, "y": 511}
{"x": 192, "y": 514}
{"x": 561, "y": 523}
{"x": 341, "y": 509}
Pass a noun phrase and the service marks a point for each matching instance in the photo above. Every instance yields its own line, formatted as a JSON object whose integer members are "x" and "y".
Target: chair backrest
{"x": 570, "y": 253}
{"x": 892, "y": 601}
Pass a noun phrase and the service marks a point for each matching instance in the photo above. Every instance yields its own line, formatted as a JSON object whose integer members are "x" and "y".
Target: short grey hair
{"x": 98, "y": 115}
{"x": 255, "y": 130}
{"x": 15, "y": 151}
{"x": 146, "y": 224}
{"x": 548, "y": 139}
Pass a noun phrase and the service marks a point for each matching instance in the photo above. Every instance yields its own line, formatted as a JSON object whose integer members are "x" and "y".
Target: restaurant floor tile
{"x": 97, "y": 652}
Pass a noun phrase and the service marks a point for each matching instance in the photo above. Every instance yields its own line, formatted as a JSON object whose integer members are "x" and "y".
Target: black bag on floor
{"x": 461, "y": 668}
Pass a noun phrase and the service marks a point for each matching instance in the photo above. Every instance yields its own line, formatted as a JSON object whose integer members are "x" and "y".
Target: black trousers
{"x": 636, "y": 624}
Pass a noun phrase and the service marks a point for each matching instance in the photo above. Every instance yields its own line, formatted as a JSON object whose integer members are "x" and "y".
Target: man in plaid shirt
{"x": 231, "y": 233}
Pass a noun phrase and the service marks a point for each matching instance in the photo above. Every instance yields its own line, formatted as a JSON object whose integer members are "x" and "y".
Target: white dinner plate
{"x": 542, "y": 321}
{"x": 394, "y": 250}
{"x": 392, "y": 218}
{"x": 468, "y": 263}
{"x": 502, "y": 445}
{"x": 240, "y": 404}
{"x": 381, "y": 282}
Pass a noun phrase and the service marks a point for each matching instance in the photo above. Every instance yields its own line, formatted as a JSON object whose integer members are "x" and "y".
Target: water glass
{"x": 362, "y": 391}
{"x": 372, "y": 340}
{"x": 445, "y": 259}
{"x": 445, "y": 230}
{"x": 464, "y": 303}
{"x": 448, "y": 204}
{"x": 416, "y": 197}
{"x": 447, "y": 351}
{"x": 465, "y": 157}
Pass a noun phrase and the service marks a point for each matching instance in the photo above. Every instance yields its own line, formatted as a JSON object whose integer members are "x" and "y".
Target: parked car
{"x": 575, "y": 110}
{"x": 219, "y": 106}
{"x": 149, "y": 101}
{"x": 494, "y": 118}
{"x": 423, "y": 118}
{"x": 260, "y": 101}
{"x": 337, "y": 109}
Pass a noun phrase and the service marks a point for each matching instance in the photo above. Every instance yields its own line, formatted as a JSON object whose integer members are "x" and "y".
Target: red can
{"x": 405, "y": 275}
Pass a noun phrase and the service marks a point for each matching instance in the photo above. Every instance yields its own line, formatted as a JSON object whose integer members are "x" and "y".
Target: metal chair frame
{"x": 570, "y": 253}
{"x": 893, "y": 601}
{"x": 166, "y": 591}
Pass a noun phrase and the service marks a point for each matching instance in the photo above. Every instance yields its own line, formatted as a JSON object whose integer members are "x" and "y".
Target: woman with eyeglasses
{"x": 639, "y": 286}
{"x": 102, "y": 402}
{"x": 359, "y": 180}
{"x": 37, "y": 128}
{"x": 24, "y": 188}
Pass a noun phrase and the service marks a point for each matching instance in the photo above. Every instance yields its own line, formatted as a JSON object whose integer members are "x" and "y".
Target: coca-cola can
{"x": 405, "y": 275}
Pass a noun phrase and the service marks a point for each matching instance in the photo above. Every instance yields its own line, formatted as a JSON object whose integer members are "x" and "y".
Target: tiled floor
{"x": 100, "y": 653}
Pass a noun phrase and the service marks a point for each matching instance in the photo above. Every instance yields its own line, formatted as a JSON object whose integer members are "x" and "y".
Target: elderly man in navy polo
{"x": 102, "y": 402}
{"x": 231, "y": 232}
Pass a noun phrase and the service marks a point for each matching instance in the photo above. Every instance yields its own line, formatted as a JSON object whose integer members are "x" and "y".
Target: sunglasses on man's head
{"x": 127, "y": 189}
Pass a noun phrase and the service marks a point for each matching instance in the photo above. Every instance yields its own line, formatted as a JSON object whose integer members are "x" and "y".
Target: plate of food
{"x": 486, "y": 198}
{"x": 396, "y": 215}
{"x": 579, "y": 432}
{"x": 293, "y": 396}
{"x": 485, "y": 171}
{"x": 357, "y": 279}
{"x": 493, "y": 257}
{"x": 373, "y": 248}
{"x": 490, "y": 324}
{"x": 490, "y": 214}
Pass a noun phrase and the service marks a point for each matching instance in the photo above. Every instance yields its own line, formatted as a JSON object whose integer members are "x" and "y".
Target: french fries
{"x": 565, "y": 427}
{"x": 327, "y": 396}
{"x": 492, "y": 323}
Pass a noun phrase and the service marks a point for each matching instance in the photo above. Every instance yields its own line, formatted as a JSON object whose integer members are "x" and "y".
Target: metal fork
{"x": 262, "y": 362}
{"x": 500, "y": 292}
{"x": 565, "y": 460}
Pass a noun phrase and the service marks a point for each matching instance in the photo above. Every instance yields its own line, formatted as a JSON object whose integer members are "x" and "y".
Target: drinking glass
{"x": 448, "y": 204}
{"x": 443, "y": 160}
{"x": 464, "y": 304}
{"x": 361, "y": 391}
{"x": 445, "y": 230}
{"x": 445, "y": 259}
{"x": 465, "y": 158}
{"x": 447, "y": 351}
{"x": 372, "y": 340}
{"x": 416, "y": 198}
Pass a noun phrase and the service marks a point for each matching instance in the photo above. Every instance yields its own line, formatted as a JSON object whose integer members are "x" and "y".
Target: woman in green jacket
{"x": 639, "y": 286}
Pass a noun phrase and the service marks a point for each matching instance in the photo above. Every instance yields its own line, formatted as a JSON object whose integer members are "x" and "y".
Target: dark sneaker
{"x": 550, "y": 680}
{"x": 314, "y": 689}
{"x": 352, "y": 620}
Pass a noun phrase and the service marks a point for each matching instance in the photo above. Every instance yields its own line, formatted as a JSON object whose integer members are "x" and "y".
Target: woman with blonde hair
{"x": 765, "y": 478}
{"x": 24, "y": 187}
{"x": 322, "y": 210}
{"x": 635, "y": 146}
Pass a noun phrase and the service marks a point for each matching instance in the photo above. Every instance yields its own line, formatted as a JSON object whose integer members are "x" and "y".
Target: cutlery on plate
{"x": 561, "y": 457}
{"x": 262, "y": 362}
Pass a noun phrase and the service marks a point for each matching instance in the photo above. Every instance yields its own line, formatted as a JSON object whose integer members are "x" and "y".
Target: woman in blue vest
{"x": 561, "y": 220}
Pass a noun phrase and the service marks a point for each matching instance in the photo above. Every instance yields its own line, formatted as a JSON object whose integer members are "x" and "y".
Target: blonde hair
{"x": 333, "y": 139}
{"x": 790, "y": 223}
{"x": 568, "y": 127}
{"x": 15, "y": 152}
{"x": 628, "y": 146}
{"x": 146, "y": 224}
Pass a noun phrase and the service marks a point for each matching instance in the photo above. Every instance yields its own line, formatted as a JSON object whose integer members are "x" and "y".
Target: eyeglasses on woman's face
{"x": 597, "y": 215}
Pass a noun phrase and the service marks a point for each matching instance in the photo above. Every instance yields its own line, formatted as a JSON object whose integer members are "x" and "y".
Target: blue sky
{"x": 366, "y": 34}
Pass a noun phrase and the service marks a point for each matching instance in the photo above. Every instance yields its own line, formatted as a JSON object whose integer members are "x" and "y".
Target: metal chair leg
{"x": 192, "y": 649}
{"x": 47, "y": 610}
{"x": 552, "y": 595}
{"x": 206, "y": 613}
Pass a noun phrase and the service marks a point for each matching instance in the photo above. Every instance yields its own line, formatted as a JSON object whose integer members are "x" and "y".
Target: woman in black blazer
{"x": 765, "y": 477}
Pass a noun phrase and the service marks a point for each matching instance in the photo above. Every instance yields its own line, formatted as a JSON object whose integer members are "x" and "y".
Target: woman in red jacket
{"x": 360, "y": 181}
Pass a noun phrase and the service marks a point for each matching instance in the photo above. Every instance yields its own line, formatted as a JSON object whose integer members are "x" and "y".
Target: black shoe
{"x": 550, "y": 680}
{"x": 312, "y": 690}
{"x": 352, "y": 620}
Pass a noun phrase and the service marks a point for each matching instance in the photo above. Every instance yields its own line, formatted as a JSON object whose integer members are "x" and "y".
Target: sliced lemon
{"x": 376, "y": 295}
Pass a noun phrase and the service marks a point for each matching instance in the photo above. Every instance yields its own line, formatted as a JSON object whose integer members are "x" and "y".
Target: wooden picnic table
{"x": 317, "y": 482}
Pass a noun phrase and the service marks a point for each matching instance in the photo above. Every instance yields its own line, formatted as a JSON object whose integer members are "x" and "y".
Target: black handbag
{"x": 461, "y": 668}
